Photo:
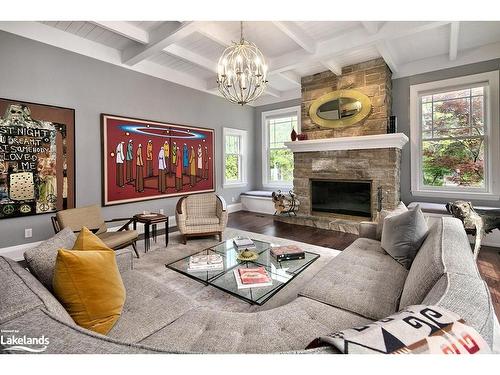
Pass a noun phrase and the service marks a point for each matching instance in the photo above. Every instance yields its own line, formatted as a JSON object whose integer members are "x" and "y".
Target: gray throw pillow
{"x": 41, "y": 260}
{"x": 401, "y": 207}
{"x": 403, "y": 235}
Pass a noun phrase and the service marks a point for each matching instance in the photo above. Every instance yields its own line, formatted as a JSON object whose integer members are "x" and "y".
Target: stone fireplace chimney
{"x": 346, "y": 158}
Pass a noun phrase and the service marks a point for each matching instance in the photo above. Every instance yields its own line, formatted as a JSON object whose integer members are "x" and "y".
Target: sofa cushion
{"x": 358, "y": 280}
{"x": 25, "y": 293}
{"x": 201, "y": 220}
{"x": 41, "y": 260}
{"x": 149, "y": 307}
{"x": 286, "y": 328}
{"x": 446, "y": 249}
{"x": 403, "y": 235}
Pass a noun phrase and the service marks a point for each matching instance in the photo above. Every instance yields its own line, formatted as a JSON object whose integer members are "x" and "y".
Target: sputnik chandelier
{"x": 241, "y": 72}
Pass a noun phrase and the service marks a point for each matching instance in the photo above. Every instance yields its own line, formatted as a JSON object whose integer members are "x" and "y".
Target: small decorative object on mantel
{"x": 474, "y": 223}
{"x": 285, "y": 203}
{"x": 392, "y": 125}
{"x": 302, "y": 137}
{"x": 293, "y": 135}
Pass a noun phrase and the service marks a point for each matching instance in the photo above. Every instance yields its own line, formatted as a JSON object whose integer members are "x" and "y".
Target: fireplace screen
{"x": 341, "y": 197}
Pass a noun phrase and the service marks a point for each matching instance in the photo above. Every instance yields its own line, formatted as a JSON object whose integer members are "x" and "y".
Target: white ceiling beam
{"x": 167, "y": 34}
{"x": 299, "y": 36}
{"x": 74, "y": 43}
{"x": 332, "y": 66}
{"x": 215, "y": 32}
{"x": 192, "y": 57}
{"x": 371, "y": 26}
{"x": 385, "y": 51}
{"x": 291, "y": 77}
{"x": 125, "y": 29}
{"x": 454, "y": 31}
{"x": 431, "y": 64}
{"x": 347, "y": 42}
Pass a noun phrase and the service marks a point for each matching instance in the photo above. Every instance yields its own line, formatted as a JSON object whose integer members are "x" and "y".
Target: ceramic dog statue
{"x": 474, "y": 223}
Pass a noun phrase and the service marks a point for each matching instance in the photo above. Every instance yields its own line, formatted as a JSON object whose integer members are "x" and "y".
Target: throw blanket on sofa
{"x": 416, "y": 329}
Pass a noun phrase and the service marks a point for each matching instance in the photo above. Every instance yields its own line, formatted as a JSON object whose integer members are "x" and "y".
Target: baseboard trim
{"x": 16, "y": 252}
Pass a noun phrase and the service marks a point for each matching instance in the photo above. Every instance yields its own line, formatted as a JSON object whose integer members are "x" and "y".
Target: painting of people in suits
{"x": 145, "y": 159}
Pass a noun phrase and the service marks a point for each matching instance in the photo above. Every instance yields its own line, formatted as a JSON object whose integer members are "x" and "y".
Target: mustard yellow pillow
{"x": 89, "y": 286}
{"x": 87, "y": 240}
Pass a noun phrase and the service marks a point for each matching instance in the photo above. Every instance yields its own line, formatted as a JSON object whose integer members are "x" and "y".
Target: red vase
{"x": 293, "y": 135}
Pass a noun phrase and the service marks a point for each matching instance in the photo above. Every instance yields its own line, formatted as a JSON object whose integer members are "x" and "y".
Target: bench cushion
{"x": 357, "y": 280}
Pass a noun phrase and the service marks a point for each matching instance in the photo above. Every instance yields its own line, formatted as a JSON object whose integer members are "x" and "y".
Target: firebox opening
{"x": 341, "y": 197}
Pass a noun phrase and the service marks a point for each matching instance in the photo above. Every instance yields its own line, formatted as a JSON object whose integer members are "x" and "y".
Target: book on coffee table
{"x": 290, "y": 252}
{"x": 210, "y": 262}
{"x": 252, "y": 277}
{"x": 244, "y": 243}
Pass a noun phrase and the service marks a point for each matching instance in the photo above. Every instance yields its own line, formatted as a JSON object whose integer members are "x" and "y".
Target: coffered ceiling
{"x": 187, "y": 52}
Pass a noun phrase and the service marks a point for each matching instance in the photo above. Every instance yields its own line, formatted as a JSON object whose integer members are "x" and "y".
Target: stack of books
{"x": 290, "y": 252}
{"x": 211, "y": 262}
{"x": 244, "y": 244}
{"x": 252, "y": 277}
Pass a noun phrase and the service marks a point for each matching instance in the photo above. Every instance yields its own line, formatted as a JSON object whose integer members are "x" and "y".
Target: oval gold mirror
{"x": 340, "y": 108}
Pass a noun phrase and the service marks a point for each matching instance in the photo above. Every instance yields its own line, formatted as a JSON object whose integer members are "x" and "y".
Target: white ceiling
{"x": 187, "y": 52}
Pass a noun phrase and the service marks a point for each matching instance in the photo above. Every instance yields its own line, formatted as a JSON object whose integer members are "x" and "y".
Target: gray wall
{"x": 258, "y": 134}
{"x": 401, "y": 109}
{"x": 35, "y": 72}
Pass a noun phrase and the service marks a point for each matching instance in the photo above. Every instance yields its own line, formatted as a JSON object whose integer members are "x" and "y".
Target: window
{"x": 454, "y": 128}
{"x": 277, "y": 159}
{"x": 234, "y": 160}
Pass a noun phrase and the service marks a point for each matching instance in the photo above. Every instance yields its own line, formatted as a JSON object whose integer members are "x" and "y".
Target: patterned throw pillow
{"x": 413, "y": 330}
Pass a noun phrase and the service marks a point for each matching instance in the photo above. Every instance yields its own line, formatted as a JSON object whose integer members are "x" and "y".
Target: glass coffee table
{"x": 281, "y": 273}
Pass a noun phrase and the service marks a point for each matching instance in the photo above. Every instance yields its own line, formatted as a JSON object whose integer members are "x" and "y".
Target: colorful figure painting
{"x": 145, "y": 160}
{"x": 36, "y": 159}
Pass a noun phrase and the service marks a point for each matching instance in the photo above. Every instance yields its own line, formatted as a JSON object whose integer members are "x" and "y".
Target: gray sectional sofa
{"x": 360, "y": 285}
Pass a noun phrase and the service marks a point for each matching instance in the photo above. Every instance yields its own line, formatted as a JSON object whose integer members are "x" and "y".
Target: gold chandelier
{"x": 241, "y": 72}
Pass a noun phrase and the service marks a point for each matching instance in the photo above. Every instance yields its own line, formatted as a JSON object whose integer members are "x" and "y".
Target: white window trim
{"x": 492, "y": 135}
{"x": 243, "y": 134}
{"x": 265, "y": 144}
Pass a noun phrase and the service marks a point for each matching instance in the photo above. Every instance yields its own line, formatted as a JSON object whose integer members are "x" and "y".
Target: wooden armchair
{"x": 201, "y": 215}
{"x": 90, "y": 217}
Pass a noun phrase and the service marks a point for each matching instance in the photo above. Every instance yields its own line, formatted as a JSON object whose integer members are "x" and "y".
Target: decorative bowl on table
{"x": 247, "y": 255}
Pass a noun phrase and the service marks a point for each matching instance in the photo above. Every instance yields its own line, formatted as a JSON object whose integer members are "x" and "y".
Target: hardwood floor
{"x": 488, "y": 262}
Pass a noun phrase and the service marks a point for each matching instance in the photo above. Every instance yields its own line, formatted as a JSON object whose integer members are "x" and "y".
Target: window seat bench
{"x": 260, "y": 201}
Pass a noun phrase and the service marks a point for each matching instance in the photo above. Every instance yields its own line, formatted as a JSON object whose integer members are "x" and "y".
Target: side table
{"x": 150, "y": 221}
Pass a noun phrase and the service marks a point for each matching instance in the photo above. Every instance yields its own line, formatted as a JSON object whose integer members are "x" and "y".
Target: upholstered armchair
{"x": 201, "y": 215}
{"x": 91, "y": 217}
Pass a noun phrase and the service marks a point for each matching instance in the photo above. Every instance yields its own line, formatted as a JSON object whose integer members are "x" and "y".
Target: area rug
{"x": 152, "y": 264}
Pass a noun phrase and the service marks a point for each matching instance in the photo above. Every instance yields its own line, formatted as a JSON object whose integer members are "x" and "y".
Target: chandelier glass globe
{"x": 242, "y": 72}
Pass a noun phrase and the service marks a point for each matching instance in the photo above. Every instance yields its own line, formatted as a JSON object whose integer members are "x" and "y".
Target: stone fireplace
{"x": 344, "y": 176}
{"x": 372, "y": 160}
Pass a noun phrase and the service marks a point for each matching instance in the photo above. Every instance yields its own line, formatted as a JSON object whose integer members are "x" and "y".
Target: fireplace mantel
{"x": 396, "y": 140}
